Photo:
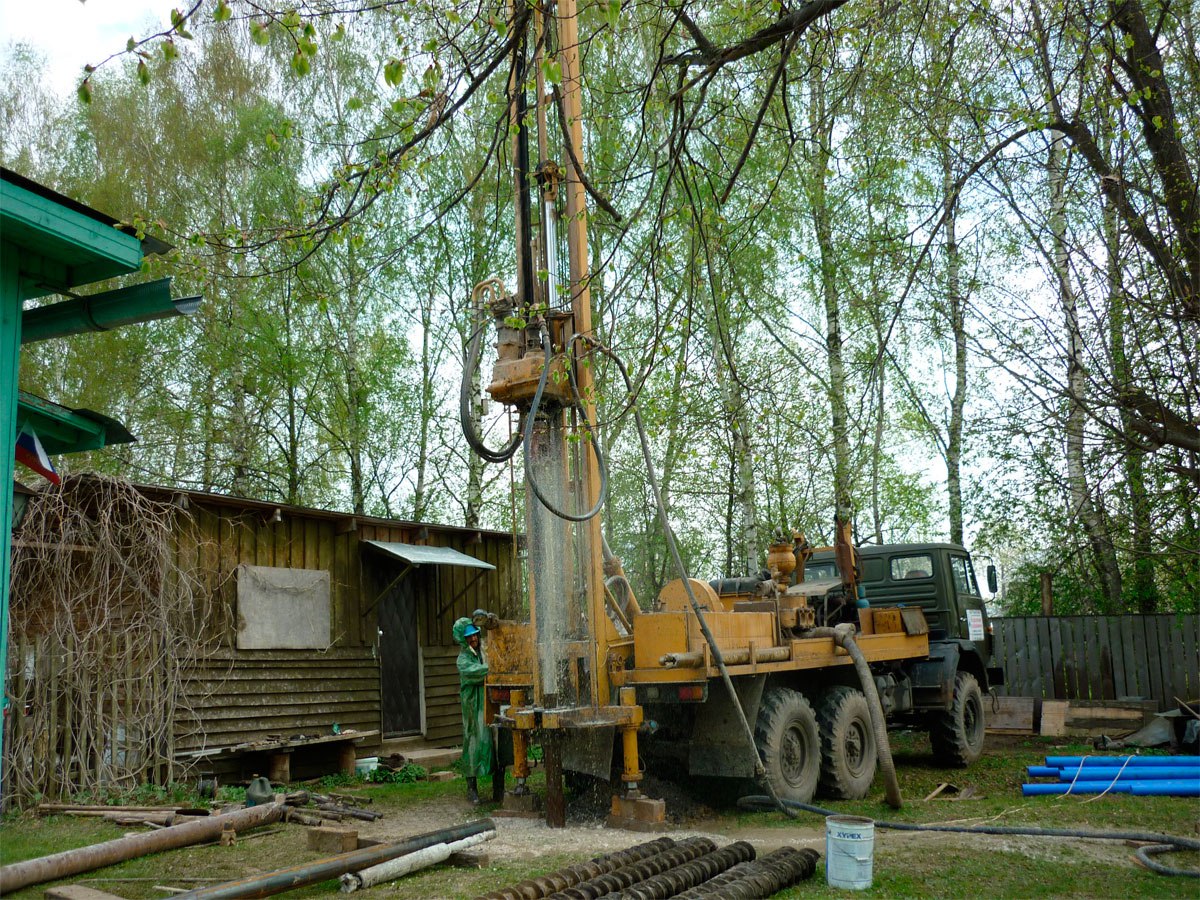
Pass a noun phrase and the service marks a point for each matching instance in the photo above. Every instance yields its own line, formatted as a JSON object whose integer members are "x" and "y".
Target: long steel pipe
{"x": 334, "y": 866}
{"x": 85, "y": 859}
{"x": 735, "y": 657}
{"x": 413, "y": 862}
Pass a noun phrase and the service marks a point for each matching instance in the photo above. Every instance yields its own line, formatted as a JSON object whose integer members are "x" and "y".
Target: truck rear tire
{"x": 789, "y": 743}
{"x": 957, "y": 735}
{"x": 848, "y": 751}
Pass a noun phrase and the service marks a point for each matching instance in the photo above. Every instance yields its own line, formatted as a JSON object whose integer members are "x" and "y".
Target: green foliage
{"x": 406, "y": 774}
{"x": 336, "y": 225}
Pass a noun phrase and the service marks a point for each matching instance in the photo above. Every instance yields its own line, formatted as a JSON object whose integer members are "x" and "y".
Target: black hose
{"x": 531, "y": 416}
{"x": 1161, "y": 842}
{"x": 466, "y": 398}
{"x": 760, "y": 771}
{"x": 843, "y": 636}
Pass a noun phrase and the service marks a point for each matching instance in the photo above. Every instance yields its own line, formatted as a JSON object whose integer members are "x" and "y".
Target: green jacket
{"x": 477, "y": 740}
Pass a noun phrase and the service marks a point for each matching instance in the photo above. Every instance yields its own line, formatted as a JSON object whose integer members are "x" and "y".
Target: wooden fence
{"x": 86, "y": 714}
{"x": 1100, "y": 657}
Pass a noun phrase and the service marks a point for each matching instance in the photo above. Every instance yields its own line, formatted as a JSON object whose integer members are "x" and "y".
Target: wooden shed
{"x": 335, "y": 619}
{"x": 313, "y": 623}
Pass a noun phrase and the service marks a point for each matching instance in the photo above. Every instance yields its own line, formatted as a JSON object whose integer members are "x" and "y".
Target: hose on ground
{"x": 843, "y": 636}
{"x": 1160, "y": 843}
{"x": 760, "y": 771}
{"x": 466, "y": 398}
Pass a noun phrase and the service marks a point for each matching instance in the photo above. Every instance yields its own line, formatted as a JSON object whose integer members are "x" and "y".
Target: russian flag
{"x": 31, "y": 453}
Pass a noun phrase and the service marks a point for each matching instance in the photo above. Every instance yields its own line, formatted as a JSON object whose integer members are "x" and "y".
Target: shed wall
{"x": 244, "y": 695}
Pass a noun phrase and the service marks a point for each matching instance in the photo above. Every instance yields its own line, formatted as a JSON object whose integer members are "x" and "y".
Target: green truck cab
{"x": 938, "y": 578}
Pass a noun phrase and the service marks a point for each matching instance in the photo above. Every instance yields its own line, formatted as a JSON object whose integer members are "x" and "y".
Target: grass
{"x": 905, "y": 865}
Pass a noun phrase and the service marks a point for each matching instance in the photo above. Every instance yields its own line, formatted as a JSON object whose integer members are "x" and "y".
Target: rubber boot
{"x": 498, "y": 785}
{"x": 473, "y": 791}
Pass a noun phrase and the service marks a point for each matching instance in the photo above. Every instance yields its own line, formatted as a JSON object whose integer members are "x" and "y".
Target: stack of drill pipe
{"x": 545, "y": 885}
{"x": 689, "y": 875}
{"x": 759, "y": 878}
{"x": 619, "y": 879}
{"x": 1177, "y": 776}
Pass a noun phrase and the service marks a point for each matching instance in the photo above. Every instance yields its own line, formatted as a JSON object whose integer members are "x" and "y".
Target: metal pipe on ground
{"x": 413, "y": 862}
{"x": 626, "y": 876}
{"x": 85, "y": 859}
{"x": 760, "y": 878}
{"x": 545, "y": 885}
{"x": 334, "y": 866}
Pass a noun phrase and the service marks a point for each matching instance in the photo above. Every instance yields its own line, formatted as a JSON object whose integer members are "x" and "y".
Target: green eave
{"x": 60, "y": 247}
{"x": 63, "y": 430}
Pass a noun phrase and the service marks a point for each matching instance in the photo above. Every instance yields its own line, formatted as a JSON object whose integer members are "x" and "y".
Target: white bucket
{"x": 849, "y": 851}
{"x": 365, "y": 765}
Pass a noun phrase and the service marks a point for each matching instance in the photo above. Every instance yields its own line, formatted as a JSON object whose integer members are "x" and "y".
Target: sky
{"x": 72, "y": 33}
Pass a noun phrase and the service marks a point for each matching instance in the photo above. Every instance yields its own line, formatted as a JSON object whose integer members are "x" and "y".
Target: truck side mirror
{"x": 992, "y": 580}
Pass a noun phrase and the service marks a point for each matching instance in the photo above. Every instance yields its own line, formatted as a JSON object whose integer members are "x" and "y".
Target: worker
{"x": 472, "y": 670}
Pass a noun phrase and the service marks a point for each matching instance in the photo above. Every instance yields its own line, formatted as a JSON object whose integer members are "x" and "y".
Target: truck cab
{"x": 940, "y": 579}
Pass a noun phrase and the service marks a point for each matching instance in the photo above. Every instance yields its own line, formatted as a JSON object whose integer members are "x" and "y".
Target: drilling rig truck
{"x": 767, "y": 676}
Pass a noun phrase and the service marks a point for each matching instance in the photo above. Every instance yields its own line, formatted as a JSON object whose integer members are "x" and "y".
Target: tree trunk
{"x": 956, "y": 313}
{"x": 426, "y": 412}
{"x": 1143, "y": 591}
{"x": 822, "y": 127}
{"x": 1103, "y": 552}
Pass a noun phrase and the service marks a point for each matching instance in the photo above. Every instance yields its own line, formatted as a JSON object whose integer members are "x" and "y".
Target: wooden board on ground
{"x": 1012, "y": 715}
{"x": 1054, "y": 718}
{"x": 77, "y": 892}
{"x": 1092, "y": 718}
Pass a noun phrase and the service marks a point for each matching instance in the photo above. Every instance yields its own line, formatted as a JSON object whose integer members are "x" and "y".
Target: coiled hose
{"x": 1159, "y": 843}
{"x": 466, "y": 398}
{"x": 843, "y": 636}
{"x": 601, "y": 464}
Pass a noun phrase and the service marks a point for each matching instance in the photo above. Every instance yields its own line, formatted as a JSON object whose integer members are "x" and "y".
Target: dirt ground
{"x": 586, "y": 835}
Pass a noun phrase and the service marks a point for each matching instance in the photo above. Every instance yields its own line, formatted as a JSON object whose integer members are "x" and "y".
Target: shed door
{"x": 400, "y": 663}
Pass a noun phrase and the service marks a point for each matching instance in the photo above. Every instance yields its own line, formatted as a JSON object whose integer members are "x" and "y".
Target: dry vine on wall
{"x": 108, "y": 613}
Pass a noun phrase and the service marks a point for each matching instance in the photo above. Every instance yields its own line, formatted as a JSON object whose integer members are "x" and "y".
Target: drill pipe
{"x": 681, "y": 878}
{"x": 619, "y": 879}
{"x": 73, "y": 862}
{"x": 763, "y": 877}
{"x": 545, "y": 885}
{"x": 268, "y": 883}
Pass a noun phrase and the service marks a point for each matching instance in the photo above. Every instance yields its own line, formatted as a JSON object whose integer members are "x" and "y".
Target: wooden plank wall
{"x": 250, "y": 694}
{"x": 443, "y": 711}
{"x": 1154, "y": 657}
{"x": 240, "y": 695}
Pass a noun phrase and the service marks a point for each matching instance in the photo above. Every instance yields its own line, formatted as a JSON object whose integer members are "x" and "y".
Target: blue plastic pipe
{"x": 1070, "y": 762}
{"x": 1189, "y": 788}
{"x": 1081, "y": 787}
{"x": 1130, "y": 773}
{"x": 1137, "y": 788}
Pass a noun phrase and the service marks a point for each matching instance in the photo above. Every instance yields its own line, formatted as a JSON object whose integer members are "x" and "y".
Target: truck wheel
{"x": 957, "y": 735}
{"x": 847, "y": 744}
{"x": 790, "y": 746}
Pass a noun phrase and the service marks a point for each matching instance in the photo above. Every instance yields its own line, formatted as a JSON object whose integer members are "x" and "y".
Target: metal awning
{"x": 63, "y": 430}
{"x": 418, "y": 555}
